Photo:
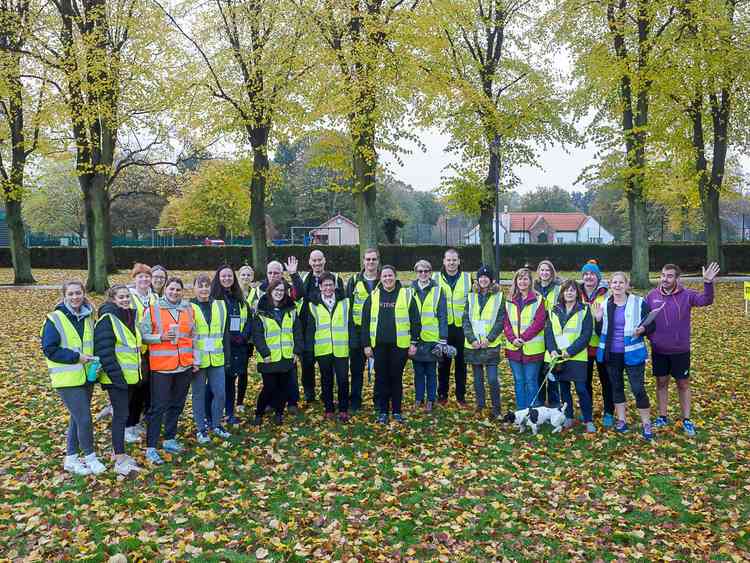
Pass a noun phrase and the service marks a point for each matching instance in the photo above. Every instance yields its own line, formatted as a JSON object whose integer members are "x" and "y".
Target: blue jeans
{"x": 494, "y": 385}
{"x": 584, "y": 399}
{"x": 525, "y": 382}
{"x": 208, "y": 380}
{"x": 425, "y": 377}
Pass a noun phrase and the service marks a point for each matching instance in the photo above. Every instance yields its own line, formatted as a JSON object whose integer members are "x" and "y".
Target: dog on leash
{"x": 534, "y": 417}
{"x": 518, "y": 418}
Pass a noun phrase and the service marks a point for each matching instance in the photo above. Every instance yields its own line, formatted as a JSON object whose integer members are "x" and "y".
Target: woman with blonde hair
{"x": 619, "y": 323}
{"x": 524, "y": 321}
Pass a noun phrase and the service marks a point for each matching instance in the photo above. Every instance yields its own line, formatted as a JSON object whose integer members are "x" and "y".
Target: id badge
{"x": 234, "y": 323}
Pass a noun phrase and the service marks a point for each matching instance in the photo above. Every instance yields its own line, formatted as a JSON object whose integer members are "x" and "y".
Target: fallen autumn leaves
{"x": 443, "y": 487}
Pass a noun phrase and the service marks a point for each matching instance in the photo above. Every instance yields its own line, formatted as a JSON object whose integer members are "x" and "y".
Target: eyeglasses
{"x": 423, "y": 271}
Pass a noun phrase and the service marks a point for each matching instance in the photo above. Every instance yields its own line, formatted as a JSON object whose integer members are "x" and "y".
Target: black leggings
{"x": 242, "y": 380}
{"x": 119, "y": 400}
{"x": 616, "y": 366}
{"x": 274, "y": 392}
{"x": 139, "y": 398}
{"x": 601, "y": 370}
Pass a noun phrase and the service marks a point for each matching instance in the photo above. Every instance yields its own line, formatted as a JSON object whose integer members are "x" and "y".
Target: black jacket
{"x": 387, "y": 319}
{"x": 51, "y": 338}
{"x": 104, "y": 342}
{"x": 580, "y": 343}
{"x": 266, "y": 309}
{"x": 310, "y": 326}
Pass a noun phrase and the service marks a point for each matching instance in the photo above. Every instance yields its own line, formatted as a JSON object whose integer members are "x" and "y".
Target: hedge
{"x": 690, "y": 257}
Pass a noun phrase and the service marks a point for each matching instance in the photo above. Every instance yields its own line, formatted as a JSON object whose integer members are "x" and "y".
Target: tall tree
{"x": 493, "y": 90}
{"x": 19, "y": 135}
{"x": 617, "y": 47}
{"x": 548, "y": 198}
{"x": 365, "y": 64}
{"x": 251, "y": 59}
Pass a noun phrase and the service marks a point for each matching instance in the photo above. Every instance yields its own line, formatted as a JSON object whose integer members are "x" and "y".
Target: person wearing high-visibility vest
{"x": 142, "y": 297}
{"x": 358, "y": 288}
{"x": 327, "y": 337}
{"x": 275, "y": 272}
{"x": 117, "y": 344}
{"x": 594, "y": 291}
{"x": 226, "y": 288}
{"x": 566, "y": 336}
{"x": 390, "y": 331}
{"x": 547, "y": 285}
{"x": 159, "y": 276}
{"x": 278, "y": 338}
{"x": 456, "y": 284}
{"x": 168, "y": 329}
{"x": 246, "y": 277}
{"x": 483, "y": 327}
{"x": 308, "y": 286}
{"x": 68, "y": 347}
{"x": 670, "y": 341}
{"x": 434, "y": 320}
{"x": 523, "y": 326}
{"x": 619, "y": 323}
{"x": 211, "y": 339}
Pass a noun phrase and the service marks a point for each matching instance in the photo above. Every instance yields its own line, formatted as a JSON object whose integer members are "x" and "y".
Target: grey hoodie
{"x": 174, "y": 309}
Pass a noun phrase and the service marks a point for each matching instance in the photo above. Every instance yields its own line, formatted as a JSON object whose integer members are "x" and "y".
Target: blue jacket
{"x": 51, "y": 338}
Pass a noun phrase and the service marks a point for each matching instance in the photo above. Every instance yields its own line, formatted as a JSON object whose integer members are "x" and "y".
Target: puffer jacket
{"x": 104, "y": 342}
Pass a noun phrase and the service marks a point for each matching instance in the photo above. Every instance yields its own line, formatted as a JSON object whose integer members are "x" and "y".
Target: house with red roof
{"x": 337, "y": 231}
{"x": 546, "y": 228}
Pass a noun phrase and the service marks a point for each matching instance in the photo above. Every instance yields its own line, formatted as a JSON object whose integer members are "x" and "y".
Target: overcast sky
{"x": 423, "y": 169}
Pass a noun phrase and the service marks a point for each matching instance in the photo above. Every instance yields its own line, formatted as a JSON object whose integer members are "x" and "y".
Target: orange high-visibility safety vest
{"x": 166, "y": 356}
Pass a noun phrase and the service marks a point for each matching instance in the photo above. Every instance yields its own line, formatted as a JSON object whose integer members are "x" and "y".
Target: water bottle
{"x": 92, "y": 369}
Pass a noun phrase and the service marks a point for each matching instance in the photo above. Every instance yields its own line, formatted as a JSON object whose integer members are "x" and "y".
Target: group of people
{"x": 148, "y": 346}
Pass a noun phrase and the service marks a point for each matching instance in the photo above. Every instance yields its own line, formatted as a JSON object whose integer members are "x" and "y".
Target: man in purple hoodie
{"x": 670, "y": 341}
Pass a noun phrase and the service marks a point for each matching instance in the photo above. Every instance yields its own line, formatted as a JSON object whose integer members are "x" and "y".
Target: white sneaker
{"x": 239, "y": 409}
{"x": 73, "y": 464}
{"x": 93, "y": 463}
{"x": 122, "y": 467}
{"x": 131, "y": 435}
{"x": 221, "y": 433}
{"x": 133, "y": 464}
{"x": 203, "y": 438}
{"x": 140, "y": 429}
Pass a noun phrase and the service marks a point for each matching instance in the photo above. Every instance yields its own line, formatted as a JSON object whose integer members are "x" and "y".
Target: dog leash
{"x": 552, "y": 365}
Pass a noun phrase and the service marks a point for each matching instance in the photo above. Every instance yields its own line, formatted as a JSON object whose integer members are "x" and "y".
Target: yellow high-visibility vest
{"x": 70, "y": 375}
{"x": 209, "y": 343}
{"x": 127, "y": 350}
{"x": 534, "y": 346}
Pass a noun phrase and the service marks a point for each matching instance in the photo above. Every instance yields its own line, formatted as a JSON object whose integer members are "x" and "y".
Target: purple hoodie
{"x": 672, "y": 333}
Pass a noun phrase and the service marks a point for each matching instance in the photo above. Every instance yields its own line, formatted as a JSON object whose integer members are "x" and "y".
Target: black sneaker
{"x": 398, "y": 418}
{"x": 382, "y": 418}
{"x": 278, "y": 418}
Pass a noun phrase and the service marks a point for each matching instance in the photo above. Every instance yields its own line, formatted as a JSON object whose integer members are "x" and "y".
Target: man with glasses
{"x": 358, "y": 289}
{"x": 456, "y": 286}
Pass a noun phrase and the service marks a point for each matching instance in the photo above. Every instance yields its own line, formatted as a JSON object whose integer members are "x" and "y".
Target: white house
{"x": 546, "y": 228}
{"x": 337, "y": 231}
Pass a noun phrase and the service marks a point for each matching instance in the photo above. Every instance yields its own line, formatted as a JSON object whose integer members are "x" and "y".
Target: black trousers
{"x": 242, "y": 382}
{"x": 308, "y": 375}
{"x": 331, "y": 367}
{"x": 119, "y": 400}
{"x": 139, "y": 399}
{"x": 168, "y": 394}
{"x": 389, "y": 373}
{"x": 357, "y": 361}
{"x": 274, "y": 392}
{"x": 456, "y": 339}
{"x": 601, "y": 369}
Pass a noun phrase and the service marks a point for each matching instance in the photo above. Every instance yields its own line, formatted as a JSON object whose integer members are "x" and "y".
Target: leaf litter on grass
{"x": 448, "y": 486}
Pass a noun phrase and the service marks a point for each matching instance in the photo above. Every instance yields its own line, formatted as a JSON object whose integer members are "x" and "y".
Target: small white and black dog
{"x": 534, "y": 417}
{"x": 518, "y": 418}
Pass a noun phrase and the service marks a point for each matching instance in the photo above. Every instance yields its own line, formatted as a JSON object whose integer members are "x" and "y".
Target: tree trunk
{"x": 222, "y": 232}
{"x": 710, "y": 205}
{"x": 18, "y": 250}
{"x": 365, "y": 163}
{"x": 111, "y": 264}
{"x": 95, "y": 202}
{"x": 487, "y": 213}
{"x": 259, "y": 142}
{"x": 638, "y": 236}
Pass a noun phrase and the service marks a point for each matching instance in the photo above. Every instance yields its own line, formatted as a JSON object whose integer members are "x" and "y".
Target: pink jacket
{"x": 537, "y": 326}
